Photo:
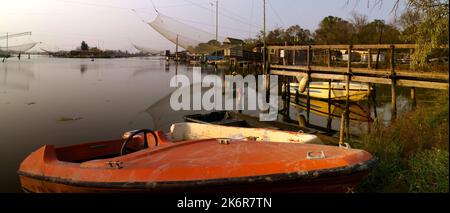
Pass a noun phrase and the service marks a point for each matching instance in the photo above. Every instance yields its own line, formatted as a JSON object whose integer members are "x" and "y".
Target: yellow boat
{"x": 358, "y": 91}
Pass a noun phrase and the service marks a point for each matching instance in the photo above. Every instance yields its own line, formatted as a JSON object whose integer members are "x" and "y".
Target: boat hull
{"x": 328, "y": 183}
{"x": 320, "y": 90}
{"x": 209, "y": 165}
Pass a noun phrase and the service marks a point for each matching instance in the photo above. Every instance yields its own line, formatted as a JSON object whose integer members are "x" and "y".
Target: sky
{"x": 112, "y": 24}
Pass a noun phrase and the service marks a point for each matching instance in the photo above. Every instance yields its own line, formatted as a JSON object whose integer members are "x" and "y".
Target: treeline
{"x": 84, "y": 51}
{"x": 335, "y": 30}
{"x": 423, "y": 22}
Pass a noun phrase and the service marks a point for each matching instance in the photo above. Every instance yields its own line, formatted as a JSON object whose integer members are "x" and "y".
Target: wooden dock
{"x": 407, "y": 78}
{"x": 320, "y": 62}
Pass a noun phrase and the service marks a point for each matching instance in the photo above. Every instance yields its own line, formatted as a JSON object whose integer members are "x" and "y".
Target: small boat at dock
{"x": 320, "y": 90}
{"x": 231, "y": 118}
{"x": 184, "y": 161}
{"x": 197, "y": 131}
{"x": 236, "y": 119}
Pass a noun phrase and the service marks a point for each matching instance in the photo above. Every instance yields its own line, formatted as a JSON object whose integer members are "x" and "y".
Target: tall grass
{"x": 412, "y": 151}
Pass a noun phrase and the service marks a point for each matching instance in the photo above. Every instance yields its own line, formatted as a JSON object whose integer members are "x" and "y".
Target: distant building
{"x": 235, "y": 49}
{"x": 234, "y": 52}
{"x": 362, "y": 56}
{"x": 233, "y": 41}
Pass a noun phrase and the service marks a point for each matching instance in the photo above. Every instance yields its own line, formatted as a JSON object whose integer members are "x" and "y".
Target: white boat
{"x": 358, "y": 91}
{"x": 195, "y": 131}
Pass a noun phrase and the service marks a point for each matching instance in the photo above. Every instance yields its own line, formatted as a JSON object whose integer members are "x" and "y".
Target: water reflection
{"x": 334, "y": 109}
{"x": 83, "y": 68}
{"x": 161, "y": 112}
{"x": 41, "y": 91}
{"x": 163, "y": 116}
{"x": 142, "y": 71}
{"x": 327, "y": 116}
{"x": 14, "y": 76}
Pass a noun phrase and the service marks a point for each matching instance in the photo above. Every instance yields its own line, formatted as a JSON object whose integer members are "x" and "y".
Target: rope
{"x": 154, "y": 7}
{"x": 137, "y": 14}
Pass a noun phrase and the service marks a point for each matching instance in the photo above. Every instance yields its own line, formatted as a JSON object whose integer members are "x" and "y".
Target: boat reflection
{"x": 83, "y": 68}
{"x": 334, "y": 109}
{"x": 162, "y": 114}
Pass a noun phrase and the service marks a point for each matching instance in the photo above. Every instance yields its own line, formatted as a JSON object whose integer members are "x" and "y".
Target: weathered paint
{"x": 194, "y": 165}
{"x": 195, "y": 131}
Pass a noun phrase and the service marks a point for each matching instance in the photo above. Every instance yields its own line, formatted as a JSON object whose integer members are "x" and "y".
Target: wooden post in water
{"x": 268, "y": 59}
{"x": 342, "y": 129}
{"x": 347, "y": 88}
{"x": 288, "y": 96}
{"x": 329, "y": 121}
{"x": 280, "y": 87}
{"x": 393, "y": 84}
{"x": 413, "y": 97}
{"x": 369, "y": 59}
{"x": 413, "y": 89}
{"x": 308, "y": 98}
{"x": 286, "y": 93}
{"x": 374, "y": 100}
{"x": 288, "y": 86}
{"x": 329, "y": 106}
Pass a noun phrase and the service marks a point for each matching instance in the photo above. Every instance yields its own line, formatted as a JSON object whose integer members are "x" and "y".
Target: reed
{"x": 412, "y": 151}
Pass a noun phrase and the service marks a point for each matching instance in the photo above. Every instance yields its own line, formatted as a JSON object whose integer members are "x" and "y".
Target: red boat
{"x": 159, "y": 163}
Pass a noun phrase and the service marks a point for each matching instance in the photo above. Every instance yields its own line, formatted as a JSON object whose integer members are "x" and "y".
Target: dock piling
{"x": 288, "y": 96}
{"x": 347, "y": 89}
{"x": 308, "y": 98}
{"x": 393, "y": 84}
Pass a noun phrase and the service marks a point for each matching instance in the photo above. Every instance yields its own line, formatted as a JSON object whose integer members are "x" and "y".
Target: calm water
{"x": 39, "y": 97}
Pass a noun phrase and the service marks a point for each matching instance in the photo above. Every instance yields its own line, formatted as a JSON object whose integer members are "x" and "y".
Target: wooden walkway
{"x": 321, "y": 62}
{"x": 407, "y": 78}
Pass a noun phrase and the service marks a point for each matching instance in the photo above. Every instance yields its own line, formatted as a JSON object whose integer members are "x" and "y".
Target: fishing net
{"x": 15, "y": 35}
{"x": 147, "y": 50}
{"x": 189, "y": 38}
{"x": 19, "y": 48}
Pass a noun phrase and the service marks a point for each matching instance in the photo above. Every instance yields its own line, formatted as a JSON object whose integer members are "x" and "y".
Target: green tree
{"x": 424, "y": 22}
{"x": 293, "y": 35}
{"x": 432, "y": 30}
{"x": 359, "y": 22}
{"x": 297, "y": 35}
{"x": 376, "y": 32}
{"x": 251, "y": 43}
{"x": 84, "y": 46}
{"x": 408, "y": 23}
{"x": 334, "y": 30}
{"x": 276, "y": 36}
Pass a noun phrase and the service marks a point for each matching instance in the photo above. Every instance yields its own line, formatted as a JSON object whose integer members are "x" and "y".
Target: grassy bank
{"x": 412, "y": 151}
